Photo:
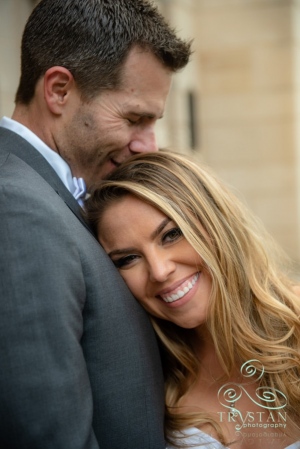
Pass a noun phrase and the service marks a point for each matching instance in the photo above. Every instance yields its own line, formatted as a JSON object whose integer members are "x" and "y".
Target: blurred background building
{"x": 236, "y": 106}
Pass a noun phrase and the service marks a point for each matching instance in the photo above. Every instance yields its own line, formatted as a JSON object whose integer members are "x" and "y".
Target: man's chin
{"x": 107, "y": 169}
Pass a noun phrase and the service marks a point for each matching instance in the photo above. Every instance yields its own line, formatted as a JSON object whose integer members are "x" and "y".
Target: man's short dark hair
{"x": 91, "y": 38}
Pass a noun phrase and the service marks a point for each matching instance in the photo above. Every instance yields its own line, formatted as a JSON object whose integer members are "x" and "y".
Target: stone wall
{"x": 13, "y": 16}
{"x": 247, "y": 78}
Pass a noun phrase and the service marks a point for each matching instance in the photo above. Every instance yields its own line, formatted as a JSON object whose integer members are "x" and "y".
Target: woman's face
{"x": 160, "y": 267}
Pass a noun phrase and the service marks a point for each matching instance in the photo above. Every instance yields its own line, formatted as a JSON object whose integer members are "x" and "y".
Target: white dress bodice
{"x": 196, "y": 439}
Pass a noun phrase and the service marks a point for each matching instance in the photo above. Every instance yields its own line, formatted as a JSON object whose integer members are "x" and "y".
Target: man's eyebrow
{"x": 144, "y": 114}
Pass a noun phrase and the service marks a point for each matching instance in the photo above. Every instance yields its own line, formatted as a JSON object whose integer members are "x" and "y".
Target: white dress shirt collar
{"x": 54, "y": 159}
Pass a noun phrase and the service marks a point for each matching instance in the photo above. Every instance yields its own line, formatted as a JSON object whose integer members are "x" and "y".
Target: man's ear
{"x": 58, "y": 82}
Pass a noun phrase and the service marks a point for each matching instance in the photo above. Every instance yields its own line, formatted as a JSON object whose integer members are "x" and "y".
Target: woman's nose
{"x": 160, "y": 268}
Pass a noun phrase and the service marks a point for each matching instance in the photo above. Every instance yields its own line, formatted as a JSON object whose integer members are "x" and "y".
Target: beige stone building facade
{"x": 236, "y": 106}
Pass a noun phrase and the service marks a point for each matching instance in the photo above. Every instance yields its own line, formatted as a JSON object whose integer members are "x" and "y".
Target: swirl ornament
{"x": 250, "y": 368}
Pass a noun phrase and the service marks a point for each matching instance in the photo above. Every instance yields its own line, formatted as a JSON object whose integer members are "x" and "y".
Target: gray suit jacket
{"x": 79, "y": 364}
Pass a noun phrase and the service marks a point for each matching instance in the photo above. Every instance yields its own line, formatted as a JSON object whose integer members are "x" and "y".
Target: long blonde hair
{"x": 254, "y": 313}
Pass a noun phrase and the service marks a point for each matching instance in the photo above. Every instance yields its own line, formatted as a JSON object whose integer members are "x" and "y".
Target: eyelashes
{"x": 172, "y": 235}
{"x": 123, "y": 261}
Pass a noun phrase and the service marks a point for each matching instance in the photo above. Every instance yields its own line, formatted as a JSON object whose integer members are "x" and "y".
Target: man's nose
{"x": 144, "y": 141}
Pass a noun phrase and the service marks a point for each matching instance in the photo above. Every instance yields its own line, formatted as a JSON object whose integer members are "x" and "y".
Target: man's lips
{"x": 116, "y": 163}
{"x": 180, "y": 290}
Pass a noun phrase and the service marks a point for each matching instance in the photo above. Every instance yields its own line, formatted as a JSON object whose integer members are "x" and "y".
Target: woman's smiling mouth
{"x": 180, "y": 291}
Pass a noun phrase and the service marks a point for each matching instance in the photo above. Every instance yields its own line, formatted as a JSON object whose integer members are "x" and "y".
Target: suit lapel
{"x": 13, "y": 143}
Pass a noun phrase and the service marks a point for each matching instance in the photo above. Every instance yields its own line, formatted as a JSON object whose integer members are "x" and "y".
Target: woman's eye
{"x": 172, "y": 235}
{"x": 124, "y": 261}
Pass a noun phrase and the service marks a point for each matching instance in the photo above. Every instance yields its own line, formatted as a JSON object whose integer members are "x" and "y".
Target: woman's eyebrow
{"x": 160, "y": 227}
{"x": 117, "y": 252}
{"x": 155, "y": 233}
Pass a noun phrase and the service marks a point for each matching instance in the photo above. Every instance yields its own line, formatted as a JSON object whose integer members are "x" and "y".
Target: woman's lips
{"x": 181, "y": 290}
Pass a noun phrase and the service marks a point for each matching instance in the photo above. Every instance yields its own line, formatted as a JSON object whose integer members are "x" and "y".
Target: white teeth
{"x": 184, "y": 289}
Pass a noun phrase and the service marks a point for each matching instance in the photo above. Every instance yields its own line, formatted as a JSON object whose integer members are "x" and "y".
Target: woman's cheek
{"x": 131, "y": 280}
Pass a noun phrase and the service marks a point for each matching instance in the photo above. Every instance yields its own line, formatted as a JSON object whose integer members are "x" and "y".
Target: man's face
{"x": 102, "y": 133}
